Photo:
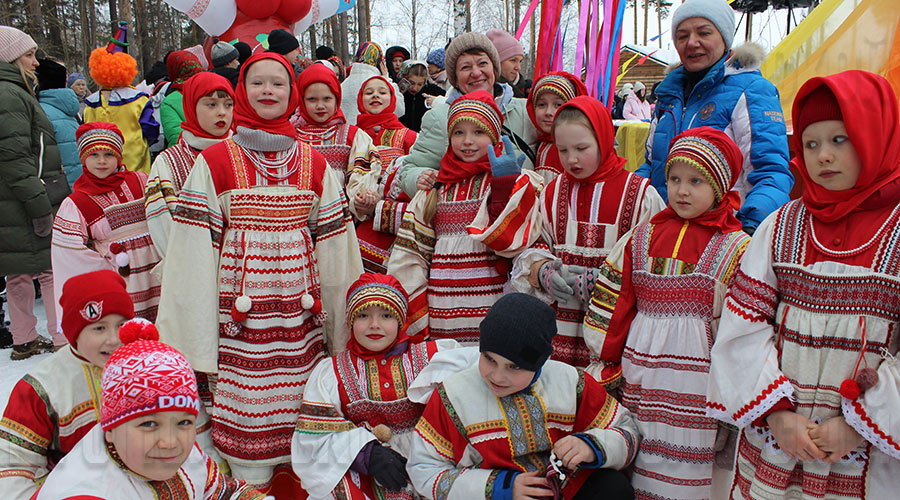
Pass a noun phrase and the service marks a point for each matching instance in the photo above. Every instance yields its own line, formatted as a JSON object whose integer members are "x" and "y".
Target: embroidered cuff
{"x": 782, "y": 404}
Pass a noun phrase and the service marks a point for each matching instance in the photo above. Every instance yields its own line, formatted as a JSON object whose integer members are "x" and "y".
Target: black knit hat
{"x": 51, "y": 75}
{"x": 244, "y": 50}
{"x": 282, "y": 42}
{"x": 520, "y": 328}
{"x": 156, "y": 73}
{"x": 324, "y": 52}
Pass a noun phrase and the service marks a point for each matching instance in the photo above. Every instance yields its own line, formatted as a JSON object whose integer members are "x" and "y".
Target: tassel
{"x": 243, "y": 303}
{"x": 122, "y": 259}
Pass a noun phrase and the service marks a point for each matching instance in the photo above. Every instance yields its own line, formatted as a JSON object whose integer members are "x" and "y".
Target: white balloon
{"x": 322, "y": 9}
{"x": 214, "y": 16}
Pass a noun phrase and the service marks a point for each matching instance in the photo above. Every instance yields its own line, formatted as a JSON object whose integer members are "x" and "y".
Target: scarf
{"x": 611, "y": 164}
{"x": 182, "y": 65}
{"x": 93, "y": 185}
{"x": 245, "y": 115}
{"x": 195, "y": 89}
{"x": 477, "y": 106}
{"x": 386, "y": 119}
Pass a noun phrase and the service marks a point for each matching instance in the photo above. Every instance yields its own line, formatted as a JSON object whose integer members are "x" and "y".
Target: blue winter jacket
{"x": 61, "y": 107}
{"x": 738, "y": 100}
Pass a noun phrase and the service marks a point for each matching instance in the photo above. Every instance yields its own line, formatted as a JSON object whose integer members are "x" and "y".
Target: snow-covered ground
{"x": 11, "y": 371}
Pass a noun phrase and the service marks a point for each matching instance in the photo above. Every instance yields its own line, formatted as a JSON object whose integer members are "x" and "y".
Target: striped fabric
{"x": 557, "y": 84}
{"x": 477, "y": 111}
{"x": 706, "y": 157}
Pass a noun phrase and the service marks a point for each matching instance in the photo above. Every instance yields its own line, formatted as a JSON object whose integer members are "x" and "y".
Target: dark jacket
{"x": 415, "y": 106}
{"x": 24, "y": 132}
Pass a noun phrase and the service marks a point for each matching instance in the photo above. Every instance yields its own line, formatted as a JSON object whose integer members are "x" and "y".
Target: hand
{"x": 528, "y": 485}
{"x": 43, "y": 225}
{"x": 426, "y": 179}
{"x": 507, "y": 163}
{"x": 365, "y": 203}
{"x": 557, "y": 280}
{"x": 585, "y": 279}
{"x": 428, "y": 99}
{"x": 573, "y": 451}
{"x": 382, "y": 67}
{"x": 834, "y": 437}
{"x": 791, "y": 432}
{"x": 388, "y": 468}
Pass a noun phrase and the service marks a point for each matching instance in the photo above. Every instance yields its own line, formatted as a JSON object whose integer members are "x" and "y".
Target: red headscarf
{"x": 871, "y": 116}
{"x": 197, "y": 87}
{"x": 550, "y": 82}
{"x": 480, "y": 107}
{"x": 319, "y": 73}
{"x": 182, "y": 65}
{"x": 385, "y": 119}
{"x": 245, "y": 115}
{"x": 611, "y": 164}
{"x": 707, "y": 146}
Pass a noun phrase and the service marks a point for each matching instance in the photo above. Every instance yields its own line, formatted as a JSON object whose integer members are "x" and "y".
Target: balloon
{"x": 294, "y": 10}
{"x": 214, "y": 16}
{"x": 258, "y": 9}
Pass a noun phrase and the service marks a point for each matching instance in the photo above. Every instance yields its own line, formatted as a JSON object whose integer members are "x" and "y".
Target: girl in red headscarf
{"x": 805, "y": 362}
{"x": 454, "y": 244}
{"x": 547, "y": 95}
{"x": 585, "y": 211}
{"x": 260, "y": 255}
{"x": 376, "y": 117}
{"x": 208, "y": 112}
{"x": 350, "y": 152}
{"x": 364, "y": 393}
{"x": 102, "y": 224}
{"x": 657, "y": 298}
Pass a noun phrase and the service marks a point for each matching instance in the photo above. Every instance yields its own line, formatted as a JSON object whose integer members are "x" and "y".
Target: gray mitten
{"x": 557, "y": 280}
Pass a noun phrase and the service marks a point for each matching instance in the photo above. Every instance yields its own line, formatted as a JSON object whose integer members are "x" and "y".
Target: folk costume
{"x": 455, "y": 264}
{"x": 103, "y": 225}
{"x": 653, "y": 318}
{"x": 582, "y": 221}
{"x": 810, "y": 323}
{"x": 358, "y": 400}
{"x": 263, "y": 230}
{"x": 568, "y": 87}
{"x": 171, "y": 168}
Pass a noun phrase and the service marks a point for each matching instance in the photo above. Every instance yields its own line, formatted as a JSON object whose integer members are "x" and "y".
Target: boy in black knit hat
{"x": 492, "y": 427}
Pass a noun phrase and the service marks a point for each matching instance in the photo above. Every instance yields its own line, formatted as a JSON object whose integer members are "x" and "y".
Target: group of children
{"x": 248, "y": 251}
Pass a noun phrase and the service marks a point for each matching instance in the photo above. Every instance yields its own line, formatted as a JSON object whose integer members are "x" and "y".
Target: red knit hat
{"x": 478, "y": 107}
{"x": 821, "y": 105}
{"x": 145, "y": 376}
{"x": 711, "y": 152}
{"x": 88, "y": 297}
{"x": 99, "y": 136}
{"x": 377, "y": 289}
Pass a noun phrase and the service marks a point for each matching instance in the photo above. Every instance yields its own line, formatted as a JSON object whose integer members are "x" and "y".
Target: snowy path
{"x": 11, "y": 371}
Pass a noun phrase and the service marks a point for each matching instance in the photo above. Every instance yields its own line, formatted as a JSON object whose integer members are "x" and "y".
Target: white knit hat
{"x": 14, "y": 43}
{"x": 717, "y": 11}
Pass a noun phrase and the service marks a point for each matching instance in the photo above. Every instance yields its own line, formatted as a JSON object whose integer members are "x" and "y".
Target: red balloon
{"x": 258, "y": 9}
{"x": 294, "y": 10}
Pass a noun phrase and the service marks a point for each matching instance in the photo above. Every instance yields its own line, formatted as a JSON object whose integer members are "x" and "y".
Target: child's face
{"x": 690, "y": 193}
{"x": 545, "y": 107}
{"x": 397, "y": 62}
{"x": 510, "y": 68}
{"x": 501, "y": 375}
{"x": 415, "y": 84}
{"x": 468, "y": 141}
{"x": 156, "y": 445}
{"x": 376, "y": 96}
{"x": 320, "y": 102}
{"x": 268, "y": 89}
{"x": 97, "y": 341}
{"x": 101, "y": 163}
{"x": 830, "y": 157}
{"x": 375, "y": 328}
{"x": 214, "y": 114}
{"x": 578, "y": 149}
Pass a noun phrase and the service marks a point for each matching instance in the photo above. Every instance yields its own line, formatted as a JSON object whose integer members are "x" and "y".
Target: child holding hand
{"x": 805, "y": 363}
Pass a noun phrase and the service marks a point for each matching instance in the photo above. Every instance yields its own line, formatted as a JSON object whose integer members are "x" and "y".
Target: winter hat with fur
{"x": 717, "y": 11}
{"x": 464, "y": 43}
{"x": 14, "y": 43}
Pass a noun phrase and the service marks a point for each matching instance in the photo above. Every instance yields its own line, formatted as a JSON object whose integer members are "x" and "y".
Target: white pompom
{"x": 243, "y": 303}
{"x": 307, "y": 301}
{"x": 122, "y": 259}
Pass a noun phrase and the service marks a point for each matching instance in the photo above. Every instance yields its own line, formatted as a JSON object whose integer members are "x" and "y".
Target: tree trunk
{"x": 414, "y": 17}
{"x": 517, "y": 17}
{"x": 659, "y": 17}
{"x": 312, "y": 42}
{"x": 460, "y": 16}
{"x": 342, "y": 35}
{"x": 35, "y": 23}
{"x": 54, "y": 44}
{"x": 362, "y": 20}
{"x": 646, "y": 13}
{"x": 635, "y": 22}
{"x": 113, "y": 16}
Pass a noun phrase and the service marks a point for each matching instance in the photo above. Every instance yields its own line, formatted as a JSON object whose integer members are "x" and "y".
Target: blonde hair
{"x": 28, "y": 76}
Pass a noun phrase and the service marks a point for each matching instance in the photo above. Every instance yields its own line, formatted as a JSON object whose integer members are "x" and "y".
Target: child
{"x": 356, "y": 422}
{"x": 489, "y": 430}
{"x": 208, "y": 111}
{"x": 584, "y": 212}
{"x": 103, "y": 224}
{"x": 321, "y": 124}
{"x": 367, "y": 62}
{"x": 376, "y": 117}
{"x": 455, "y": 239}
{"x": 182, "y": 66}
{"x": 654, "y": 312}
{"x": 805, "y": 362}
{"x": 418, "y": 93}
{"x": 144, "y": 447}
{"x": 263, "y": 231}
{"x": 549, "y": 93}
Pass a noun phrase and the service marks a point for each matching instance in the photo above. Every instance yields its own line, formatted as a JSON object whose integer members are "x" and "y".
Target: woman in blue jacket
{"x": 61, "y": 105}
{"x": 722, "y": 88}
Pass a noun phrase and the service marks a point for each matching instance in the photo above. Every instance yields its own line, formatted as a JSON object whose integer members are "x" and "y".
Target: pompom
{"x": 866, "y": 378}
{"x": 122, "y": 259}
{"x": 124, "y": 271}
{"x": 502, "y": 266}
{"x": 382, "y": 432}
{"x": 237, "y": 315}
{"x": 232, "y": 329}
{"x": 243, "y": 304}
{"x": 307, "y": 301}
{"x": 138, "y": 329}
{"x": 116, "y": 248}
{"x": 850, "y": 389}
{"x": 112, "y": 70}
{"x": 316, "y": 307}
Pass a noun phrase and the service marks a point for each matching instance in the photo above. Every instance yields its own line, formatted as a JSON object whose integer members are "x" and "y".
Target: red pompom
{"x": 316, "y": 307}
{"x": 237, "y": 316}
{"x": 116, "y": 248}
{"x": 867, "y": 378}
{"x": 502, "y": 266}
{"x": 850, "y": 389}
{"x": 138, "y": 329}
{"x": 293, "y": 10}
{"x": 258, "y": 9}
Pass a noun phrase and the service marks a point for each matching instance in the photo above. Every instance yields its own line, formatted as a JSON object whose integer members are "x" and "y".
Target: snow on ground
{"x": 11, "y": 371}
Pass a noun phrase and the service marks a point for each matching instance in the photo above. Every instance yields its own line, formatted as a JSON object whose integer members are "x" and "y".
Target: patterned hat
{"x": 436, "y": 57}
{"x": 557, "y": 84}
{"x": 377, "y": 290}
{"x": 89, "y": 297}
{"x": 368, "y": 53}
{"x": 145, "y": 376}
{"x": 99, "y": 136}
{"x": 478, "y": 107}
{"x": 711, "y": 152}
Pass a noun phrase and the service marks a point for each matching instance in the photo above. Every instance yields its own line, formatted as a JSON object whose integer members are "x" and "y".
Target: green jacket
{"x": 24, "y": 132}
{"x": 171, "y": 114}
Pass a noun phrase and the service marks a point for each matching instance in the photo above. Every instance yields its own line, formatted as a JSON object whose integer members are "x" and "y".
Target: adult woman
{"x": 472, "y": 64}
{"x": 724, "y": 89}
{"x": 28, "y": 155}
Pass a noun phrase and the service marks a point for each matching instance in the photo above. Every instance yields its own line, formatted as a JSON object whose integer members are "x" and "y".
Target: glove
{"x": 388, "y": 468}
{"x": 584, "y": 281}
{"x": 43, "y": 225}
{"x": 556, "y": 279}
{"x": 507, "y": 163}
